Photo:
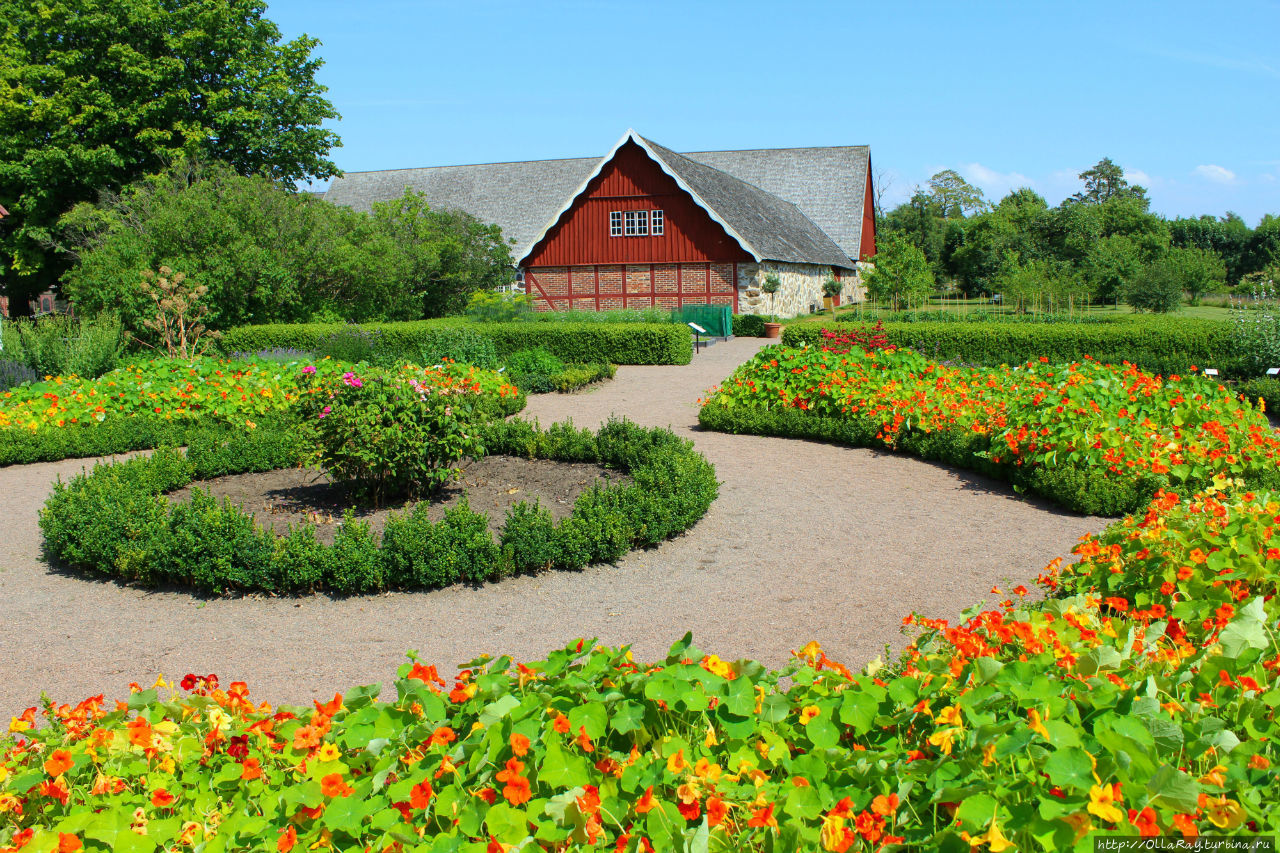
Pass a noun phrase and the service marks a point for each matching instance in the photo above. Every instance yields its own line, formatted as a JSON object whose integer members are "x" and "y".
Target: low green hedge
{"x": 1072, "y": 486}
{"x": 116, "y": 520}
{"x": 748, "y": 326}
{"x": 1265, "y": 389}
{"x": 1158, "y": 345}
{"x": 616, "y": 343}
{"x": 576, "y": 376}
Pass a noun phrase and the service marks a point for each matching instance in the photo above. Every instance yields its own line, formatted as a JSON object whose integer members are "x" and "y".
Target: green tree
{"x": 266, "y": 254}
{"x": 95, "y": 94}
{"x": 901, "y": 274}
{"x": 441, "y": 256}
{"x": 1105, "y": 181}
{"x": 1199, "y": 271}
{"x": 1156, "y": 288}
{"x": 1110, "y": 266}
{"x": 956, "y": 196}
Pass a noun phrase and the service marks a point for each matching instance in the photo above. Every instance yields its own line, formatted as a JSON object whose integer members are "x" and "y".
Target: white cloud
{"x": 995, "y": 184}
{"x": 1217, "y": 174}
{"x": 1137, "y": 176}
{"x": 1268, "y": 177}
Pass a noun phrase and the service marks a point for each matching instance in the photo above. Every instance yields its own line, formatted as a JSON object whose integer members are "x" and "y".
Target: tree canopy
{"x": 95, "y": 94}
{"x": 270, "y": 255}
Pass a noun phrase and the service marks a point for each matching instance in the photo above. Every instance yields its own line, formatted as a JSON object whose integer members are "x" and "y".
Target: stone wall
{"x": 800, "y": 290}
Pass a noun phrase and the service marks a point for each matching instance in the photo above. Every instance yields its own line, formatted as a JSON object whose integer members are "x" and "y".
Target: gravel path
{"x": 807, "y": 541}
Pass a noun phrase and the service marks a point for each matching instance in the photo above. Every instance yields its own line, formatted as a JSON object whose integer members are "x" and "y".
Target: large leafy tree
{"x": 901, "y": 274}
{"x": 957, "y": 196}
{"x": 96, "y": 93}
{"x": 1106, "y": 181}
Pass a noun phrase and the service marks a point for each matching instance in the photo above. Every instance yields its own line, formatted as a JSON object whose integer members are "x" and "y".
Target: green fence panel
{"x": 716, "y": 319}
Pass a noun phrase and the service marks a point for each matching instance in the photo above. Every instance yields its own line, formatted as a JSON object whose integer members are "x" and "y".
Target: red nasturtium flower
{"x": 519, "y": 744}
{"x": 716, "y": 811}
{"x": 420, "y": 795}
{"x": 162, "y": 799}
{"x": 646, "y": 802}
{"x": 288, "y": 838}
{"x": 55, "y": 790}
{"x": 516, "y": 789}
{"x": 1145, "y": 821}
{"x": 251, "y": 769}
{"x": 68, "y": 843}
{"x": 763, "y": 816}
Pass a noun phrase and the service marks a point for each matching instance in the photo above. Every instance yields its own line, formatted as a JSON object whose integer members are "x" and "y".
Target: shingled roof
{"x": 800, "y": 205}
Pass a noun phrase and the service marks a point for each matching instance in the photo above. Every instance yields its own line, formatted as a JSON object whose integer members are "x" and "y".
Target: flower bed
{"x": 159, "y": 401}
{"x": 1033, "y": 726}
{"x": 116, "y": 521}
{"x": 1096, "y": 438}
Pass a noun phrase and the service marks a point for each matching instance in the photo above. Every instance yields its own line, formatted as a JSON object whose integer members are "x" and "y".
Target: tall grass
{"x": 60, "y": 344}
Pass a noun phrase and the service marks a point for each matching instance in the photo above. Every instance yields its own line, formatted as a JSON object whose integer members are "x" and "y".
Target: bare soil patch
{"x": 292, "y": 497}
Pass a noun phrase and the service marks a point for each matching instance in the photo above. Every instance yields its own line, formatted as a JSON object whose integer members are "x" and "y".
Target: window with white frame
{"x": 636, "y": 223}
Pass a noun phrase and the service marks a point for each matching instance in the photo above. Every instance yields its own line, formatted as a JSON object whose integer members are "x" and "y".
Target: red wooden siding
{"x": 633, "y": 181}
{"x": 868, "y": 247}
{"x": 602, "y": 287}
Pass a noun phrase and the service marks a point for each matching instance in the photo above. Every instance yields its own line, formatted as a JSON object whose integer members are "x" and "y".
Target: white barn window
{"x": 615, "y": 223}
{"x": 655, "y": 223}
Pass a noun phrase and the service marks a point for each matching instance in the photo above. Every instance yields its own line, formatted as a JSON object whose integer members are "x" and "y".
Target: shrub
{"x": 571, "y": 342}
{"x": 534, "y": 370}
{"x": 15, "y": 373}
{"x": 1157, "y": 287}
{"x": 1255, "y": 329}
{"x": 458, "y": 344}
{"x": 748, "y": 325}
{"x": 577, "y": 376}
{"x": 59, "y": 344}
{"x": 487, "y": 306}
{"x": 1264, "y": 391}
{"x": 1163, "y": 345}
{"x": 116, "y": 521}
{"x": 354, "y": 344}
{"x": 390, "y": 435}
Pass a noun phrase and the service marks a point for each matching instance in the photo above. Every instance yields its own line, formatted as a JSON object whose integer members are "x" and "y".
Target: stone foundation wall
{"x": 800, "y": 290}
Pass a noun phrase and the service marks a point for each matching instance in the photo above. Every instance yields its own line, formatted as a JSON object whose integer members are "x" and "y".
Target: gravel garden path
{"x": 807, "y": 541}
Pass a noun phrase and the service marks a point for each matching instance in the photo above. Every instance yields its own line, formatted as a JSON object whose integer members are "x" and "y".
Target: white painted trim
{"x": 631, "y": 135}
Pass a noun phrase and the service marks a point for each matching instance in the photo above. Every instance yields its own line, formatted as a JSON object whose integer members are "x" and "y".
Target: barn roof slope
{"x": 805, "y": 189}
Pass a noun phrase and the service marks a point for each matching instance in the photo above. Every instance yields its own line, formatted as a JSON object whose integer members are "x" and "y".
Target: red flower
{"x": 68, "y": 843}
{"x": 287, "y": 839}
{"x": 716, "y": 811}
{"x": 162, "y": 799}
{"x": 59, "y": 762}
{"x": 645, "y": 803}
{"x": 519, "y": 744}
{"x": 1145, "y": 821}
{"x": 420, "y": 795}
{"x": 763, "y": 816}
{"x": 251, "y": 769}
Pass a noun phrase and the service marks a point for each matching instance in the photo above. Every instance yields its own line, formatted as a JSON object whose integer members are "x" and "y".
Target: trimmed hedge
{"x": 748, "y": 326}
{"x": 1165, "y": 345}
{"x": 116, "y": 520}
{"x": 1074, "y": 487}
{"x": 581, "y": 343}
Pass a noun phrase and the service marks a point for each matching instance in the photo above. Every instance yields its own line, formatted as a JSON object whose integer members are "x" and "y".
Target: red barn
{"x": 646, "y": 227}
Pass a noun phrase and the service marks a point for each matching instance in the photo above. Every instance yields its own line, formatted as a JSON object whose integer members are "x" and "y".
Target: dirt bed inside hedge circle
{"x": 293, "y": 497}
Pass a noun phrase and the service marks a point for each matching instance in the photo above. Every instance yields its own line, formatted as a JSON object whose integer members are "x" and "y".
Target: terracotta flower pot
{"x": 773, "y": 330}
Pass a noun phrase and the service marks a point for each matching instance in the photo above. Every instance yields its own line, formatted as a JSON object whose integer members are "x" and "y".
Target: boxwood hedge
{"x": 117, "y": 521}
{"x": 1159, "y": 345}
{"x": 581, "y": 343}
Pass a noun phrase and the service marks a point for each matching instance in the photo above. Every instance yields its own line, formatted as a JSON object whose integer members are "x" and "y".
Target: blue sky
{"x": 1185, "y": 96}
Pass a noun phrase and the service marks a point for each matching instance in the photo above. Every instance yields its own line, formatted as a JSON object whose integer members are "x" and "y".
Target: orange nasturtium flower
{"x": 519, "y": 744}
{"x": 676, "y": 763}
{"x": 162, "y": 799}
{"x": 517, "y": 787}
{"x": 763, "y": 816}
{"x": 420, "y": 795}
{"x": 333, "y": 785}
{"x": 646, "y": 802}
{"x": 288, "y": 838}
{"x": 59, "y": 762}
{"x": 251, "y": 769}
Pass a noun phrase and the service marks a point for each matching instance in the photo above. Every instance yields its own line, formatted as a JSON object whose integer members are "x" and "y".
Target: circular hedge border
{"x": 116, "y": 520}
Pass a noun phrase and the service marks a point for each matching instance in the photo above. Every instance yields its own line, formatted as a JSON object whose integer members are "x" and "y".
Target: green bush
{"x": 1161, "y": 345}
{"x": 354, "y": 344}
{"x": 387, "y": 435}
{"x": 534, "y": 370}
{"x": 577, "y": 376}
{"x": 571, "y": 342}
{"x": 116, "y": 521}
{"x": 1266, "y": 390}
{"x": 459, "y": 344}
{"x": 60, "y": 345}
{"x": 748, "y": 325}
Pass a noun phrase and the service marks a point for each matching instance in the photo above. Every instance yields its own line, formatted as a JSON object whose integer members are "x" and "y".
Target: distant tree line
{"x": 1102, "y": 244}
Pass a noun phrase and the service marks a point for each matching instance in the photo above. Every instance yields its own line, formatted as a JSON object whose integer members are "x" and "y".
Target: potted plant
{"x": 831, "y": 290}
{"x": 770, "y": 285}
